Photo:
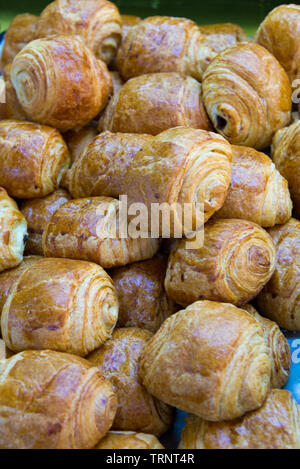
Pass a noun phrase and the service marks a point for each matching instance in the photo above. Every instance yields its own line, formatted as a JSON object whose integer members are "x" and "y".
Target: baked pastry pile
{"x": 104, "y": 335}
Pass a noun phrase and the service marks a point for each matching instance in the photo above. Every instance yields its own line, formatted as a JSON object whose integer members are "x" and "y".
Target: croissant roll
{"x": 209, "y": 359}
{"x": 10, "y": 108}
{"x": 13, "y": 232}
{"x": 247, "y": 95}
{"x": 100, "y": 169}
{"x": 21, "y": 31}
{"x": 85, "y": 229}
{"x": 279, "y": 350}
{"x": 229, "y": 32}
{"x": 156, "y": 102}
{"x": 52, "y": 400}
{"x": 280, "y": 34}
{"x": 142, "y": 298}
{"x": 127, "y": 22}
{"x": 60, "y": 304}
{"x": 38, "y": 213}
{"x": 274, "y": 426}
{"x": 59, "y": 82}
{"x": 97, "y": 22}
{"x": 257, "y": 191}
{"x": 118, "y": 360}
{"x": 33, "y": 159}
{"x": 129, "y": 440}
{"x": 280, "y": 299}
{"x": 285, "y": 153}
{"x": 236, "y": 260}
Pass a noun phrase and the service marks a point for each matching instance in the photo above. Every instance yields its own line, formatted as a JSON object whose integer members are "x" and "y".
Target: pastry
{"x": 247, "y": 95}
{"x": 10, "y": 108}
{"x": 236, "y": 260}
{"x": 118, "y": 361}
{"x": 4, "y": 351}
{"x": 129, "y": 440}
{"x": 209, "y": 359}
{"x": 60, "y": 304}
{"x": 127, "y": 22}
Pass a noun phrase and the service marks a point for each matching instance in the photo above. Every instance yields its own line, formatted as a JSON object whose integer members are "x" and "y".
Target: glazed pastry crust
{"x": 285, "y": 153}
{"x": 53, "y": 400}
{"x": 280, "y": 34}
{"x": 38, "y": 213}
{"x": 59, "y": 82}
{"x": 279, "y": 350}
{"x": 247, "y": 95}
{"x": 274, "y": 426}
{"x": 127, "y": 22}
{"x": 85, "y": 229}
{"x": 209, "y": 359}
{"x": 73, "y": 307}
{"x": 13, "y": 230}
{"x": 118, "y": 360}
{"x": 237, "y": 259}
{"x": 129, "y": 440}
{"x": 257, "y": 191}
{"x": 33, "y": 158}
{"x": 21, "y": 31}
{"x": 97, "y": 22}
{"x": 279, "y": 300}
{"x": 142, "y": 298}
{"x": 156, "y": 102}
{"x": 11, "y": 108}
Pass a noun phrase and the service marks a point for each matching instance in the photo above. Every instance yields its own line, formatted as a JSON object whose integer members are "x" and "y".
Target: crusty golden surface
{"x": 97, "y": 22}
{"x": 279, "y": 350}
{"x": 85, "y": 229}
{"x": 274, "y": 426}
{"x": 280, "y": 34}
{"x": 230, "y": 33}
{"x": 127, "y": 22}
{"x": 11, "y": 108}
{"x": 142, "y": 298}
{"x": 59, "y": 82}
{"x": 247, "y": 95}
{"x": 38, "y": 213}
{"x": 53, "y": 400}
{"x": 20, "y": 32}
{"x": 285, "y": 153}
{"x": 236, "y": 261}
{"x": 279, "y": 300}
{"x": 33, "y": 158}
{"x": 156, "y": 102}
{"x": 209, "y": 359}
{"x": 100, "y": 169}
{"x": 118, "y": 360}
{"x": 257, "y": 191}
{"x": 129, "y": 440}
{"x": 13, "y": 230}
{"x": 60, "y": 304}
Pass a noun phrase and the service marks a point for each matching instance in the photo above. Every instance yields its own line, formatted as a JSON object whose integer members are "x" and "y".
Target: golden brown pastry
{"x": 118, "y": 360}
{"x": 10, "y": 108}
{"x": 129, "y": 440}
{"x": 59, "y": 82}
{"x": 236, "y": 260}
{"x": 142, "y": 298}
{"x": 97, "y": 22}
{"x": 279, "y": 350}
{"x": 85, "y": 229}
{"x": 117, "y": 81}
{"x": 21, "y": 31}
{"x": 10, "y": 276}
{"x": 280, "y": 34}
{"x": 100, "y": 169}
{"x": 13, "y": 232}
{"x": 247, "y": 95}
{"x": 156, "y": 102}
{"x": 280, "y": 299}
{"x": 33, "y": 158}
{"x": 209, "y": 359}
{"x": 257, "y": 191}
{"x": 286, "y": 156}
{"x": 127, "y": 22}
{"x": 274, "y": 426}
{"x": 4, "y": 351}
{"x": 60, "y": 304}
{"x": 224, "y": 34}
{"x": 53, "y": 400}
{"x": 38, "y": 213}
